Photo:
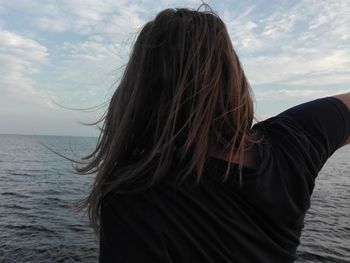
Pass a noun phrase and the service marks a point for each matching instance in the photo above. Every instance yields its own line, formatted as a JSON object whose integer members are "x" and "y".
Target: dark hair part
{"x": 183, "y": 92}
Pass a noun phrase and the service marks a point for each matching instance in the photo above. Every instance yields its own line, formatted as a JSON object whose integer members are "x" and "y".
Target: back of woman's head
{"x": 183, "y": 92}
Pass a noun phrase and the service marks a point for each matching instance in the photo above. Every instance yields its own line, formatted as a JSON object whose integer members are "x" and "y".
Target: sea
{"x": 38, "y": 191}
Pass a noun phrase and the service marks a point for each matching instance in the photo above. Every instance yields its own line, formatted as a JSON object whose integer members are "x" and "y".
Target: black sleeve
{"x": 296, "y": 144}
{"x": 326, "y": 122}
{"x": 310, "y": 132}
{"x": 130, "y": 231}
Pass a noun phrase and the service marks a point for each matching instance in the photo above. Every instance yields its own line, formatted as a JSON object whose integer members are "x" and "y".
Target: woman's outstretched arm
{"x": 345, "y": 98}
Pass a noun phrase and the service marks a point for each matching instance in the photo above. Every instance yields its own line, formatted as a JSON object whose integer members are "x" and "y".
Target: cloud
{"x": 93, "y": 50}
{"x": 285, "y": 42}
{"x": 298, "y": 43}
{"x": 286, "y": 94}
{"x": 90, "y": 16}
{"x": 54, "y": 25}
{"x": 21, "y": 58}
{"x": 80, "y": 67}
{"x": 298, "y": 69}
{"x": 84, "y": 72}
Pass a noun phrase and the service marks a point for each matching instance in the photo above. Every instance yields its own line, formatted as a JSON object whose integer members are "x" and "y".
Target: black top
{"x": 217, "y": 221}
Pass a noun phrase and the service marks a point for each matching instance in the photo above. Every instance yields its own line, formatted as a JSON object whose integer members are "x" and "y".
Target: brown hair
{"x": 182, "y": 91}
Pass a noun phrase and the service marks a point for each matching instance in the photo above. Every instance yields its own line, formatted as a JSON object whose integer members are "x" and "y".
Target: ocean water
{"x": 38, "y": 188}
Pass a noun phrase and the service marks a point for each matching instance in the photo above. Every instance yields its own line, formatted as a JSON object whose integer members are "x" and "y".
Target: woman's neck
{"x": 250, "y": 156}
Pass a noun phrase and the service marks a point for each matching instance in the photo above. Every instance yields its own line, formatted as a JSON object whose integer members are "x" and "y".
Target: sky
{"x": 64, "y": 54}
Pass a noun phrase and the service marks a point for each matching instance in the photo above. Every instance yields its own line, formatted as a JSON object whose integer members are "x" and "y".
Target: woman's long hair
{"x": 183, "y": 91}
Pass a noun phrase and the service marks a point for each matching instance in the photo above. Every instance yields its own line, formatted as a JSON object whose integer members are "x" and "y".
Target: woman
{"x": 182, "y": 175}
